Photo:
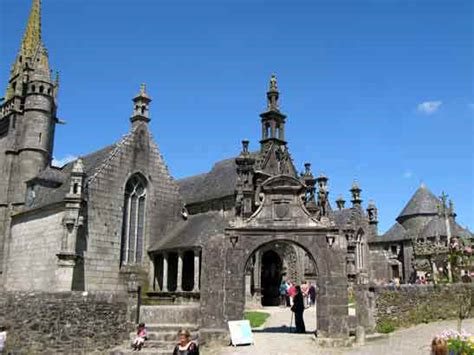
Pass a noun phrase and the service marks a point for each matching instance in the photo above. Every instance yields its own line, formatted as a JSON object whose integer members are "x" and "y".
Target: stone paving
{"x": 275, "y": 338}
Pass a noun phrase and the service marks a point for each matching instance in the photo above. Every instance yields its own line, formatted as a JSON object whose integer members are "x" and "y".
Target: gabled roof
{"x": 52, "y": 184}
{"x": 219, "y": 182}
{"x": 193, "y": 231}
{"x": 396, "y": 232}
{"x": 423, "y": 202}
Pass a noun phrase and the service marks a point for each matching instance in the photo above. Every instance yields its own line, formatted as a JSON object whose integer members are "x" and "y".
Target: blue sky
{"x": 377, "y": 90}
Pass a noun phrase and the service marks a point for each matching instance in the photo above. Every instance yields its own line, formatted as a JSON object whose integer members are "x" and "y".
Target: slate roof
{"x": 342, "y": 217}
{"x": 437, "y": 226}
{"x": 422, "y": 202}
{"x": 52, "y": 184}
{"x": 396, "y": 233}
{"x": 193, "y": 231}
{"x": 219, "y": 182}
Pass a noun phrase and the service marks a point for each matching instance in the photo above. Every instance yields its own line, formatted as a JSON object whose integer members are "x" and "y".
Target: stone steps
{"x": 162, "y": 339}
{"x": 163, "y": 324}
{"x": 171, "y": 327}
{"x": 165, "y": 335}
{"x": 170, "y": 314}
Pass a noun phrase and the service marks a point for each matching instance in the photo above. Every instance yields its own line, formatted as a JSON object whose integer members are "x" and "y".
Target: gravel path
{"x": 275, "y": 338}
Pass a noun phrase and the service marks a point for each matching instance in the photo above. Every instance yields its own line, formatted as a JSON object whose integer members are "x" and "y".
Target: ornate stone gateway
{"x": 281, "y": 217}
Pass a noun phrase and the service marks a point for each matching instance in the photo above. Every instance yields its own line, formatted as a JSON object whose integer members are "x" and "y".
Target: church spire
{"x": 32, "y": 36}
{"x": 32, "y": 55}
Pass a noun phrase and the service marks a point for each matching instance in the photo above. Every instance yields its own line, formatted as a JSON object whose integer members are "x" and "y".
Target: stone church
{"x": 116, "y": 219}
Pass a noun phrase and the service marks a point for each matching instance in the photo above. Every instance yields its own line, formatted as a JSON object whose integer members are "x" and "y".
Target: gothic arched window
{"x": 133, "y": 225}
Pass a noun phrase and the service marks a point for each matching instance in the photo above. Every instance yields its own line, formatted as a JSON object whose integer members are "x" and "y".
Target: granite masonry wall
{"x": 35, "y": 241}
{"x": 63, "y": 323}
{"x": 409, "y": 304}
{"x": 136, "y": 153}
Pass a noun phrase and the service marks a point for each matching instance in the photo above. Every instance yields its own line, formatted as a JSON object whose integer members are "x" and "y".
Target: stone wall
{"x": 35, "y": 241}
{"x": 136, "y": 153}
{"x": 69, "y": 323}
{"x": 409, "y": 304}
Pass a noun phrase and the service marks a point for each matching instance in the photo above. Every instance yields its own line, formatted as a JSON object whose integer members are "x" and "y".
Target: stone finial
{"x": 245, "y": 147}
{"x": 142, "y": 93}
{"x": 355, "y": 191}
{"x": 307, "y": 170}
{"x": 273, "y": 95}
{"x": 372, "y": 212}
{"x": 273, "y": 83}
{"x": 340, "y": 202}
{"x": 322, "y": 177}
{"x": 141, "y": 106}
{"x": 78, "y": 167}
{"x": 451, "y": 207}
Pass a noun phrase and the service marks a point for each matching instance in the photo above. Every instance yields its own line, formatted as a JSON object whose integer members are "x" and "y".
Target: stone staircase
{"x": 163, "y": 324}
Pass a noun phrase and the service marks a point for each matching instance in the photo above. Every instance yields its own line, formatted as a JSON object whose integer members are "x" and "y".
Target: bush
{"x": 385, "y": 327}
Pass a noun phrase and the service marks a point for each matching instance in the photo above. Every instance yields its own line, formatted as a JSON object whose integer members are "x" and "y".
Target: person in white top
{"x": 3, "y": 339}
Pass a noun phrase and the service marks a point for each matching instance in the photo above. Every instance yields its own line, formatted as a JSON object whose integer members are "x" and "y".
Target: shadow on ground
{"x": 282, "y": 329}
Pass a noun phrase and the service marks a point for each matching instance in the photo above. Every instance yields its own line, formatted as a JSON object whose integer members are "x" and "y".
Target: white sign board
{"x": 240, "y": 332}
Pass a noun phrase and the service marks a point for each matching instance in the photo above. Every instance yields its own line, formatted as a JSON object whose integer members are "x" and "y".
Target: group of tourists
{"x": 298, "y": 298}
{"x": 288, "y": 290}
{"x": 185, "y": 346}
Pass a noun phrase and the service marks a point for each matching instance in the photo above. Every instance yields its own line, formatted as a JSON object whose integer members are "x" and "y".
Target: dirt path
{"x": 275, "y": 338}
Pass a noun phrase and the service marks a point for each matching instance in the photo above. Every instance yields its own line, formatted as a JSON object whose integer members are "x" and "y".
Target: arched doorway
{"x": 271, "y": 276}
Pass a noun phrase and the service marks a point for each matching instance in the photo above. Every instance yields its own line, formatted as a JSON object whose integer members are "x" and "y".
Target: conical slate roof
{"x": 423, "y": 202}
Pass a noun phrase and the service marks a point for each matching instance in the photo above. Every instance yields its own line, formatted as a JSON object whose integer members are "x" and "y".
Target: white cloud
{"x": 429, "y": 107}
{"x": 407, "y": 174}
{"x": 63, "y": 161}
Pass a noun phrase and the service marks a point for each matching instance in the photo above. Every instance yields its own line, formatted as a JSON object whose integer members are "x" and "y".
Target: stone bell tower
{"x": 28, "y": 112}
{"x": 27, "y": 120}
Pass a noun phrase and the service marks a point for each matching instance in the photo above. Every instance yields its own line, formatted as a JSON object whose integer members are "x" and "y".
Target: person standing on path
{"x": 298, "y": 309}
{"x": 312, "y": 294}
{"x": 292, "y": 293}
{"x": 283, "y": 295}
{"x": 304, "y": 290}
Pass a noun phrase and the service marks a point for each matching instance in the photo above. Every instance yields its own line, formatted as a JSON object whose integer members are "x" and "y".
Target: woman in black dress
{"x": 298, "y": 309}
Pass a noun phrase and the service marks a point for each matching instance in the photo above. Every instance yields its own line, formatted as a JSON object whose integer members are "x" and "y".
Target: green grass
{"x": 256, "y": 318}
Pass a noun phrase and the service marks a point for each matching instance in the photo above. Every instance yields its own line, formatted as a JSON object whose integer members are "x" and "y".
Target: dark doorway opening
{"x": 271, "y": 278}
{"x": 188, "y": 270}
{"x": 395, "y": 271}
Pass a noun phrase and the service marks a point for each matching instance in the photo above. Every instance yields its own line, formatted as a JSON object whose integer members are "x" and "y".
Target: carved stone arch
{"x": 223, "y": 278}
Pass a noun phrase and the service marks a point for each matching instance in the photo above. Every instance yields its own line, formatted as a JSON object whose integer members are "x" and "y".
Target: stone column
{"x": 248, "y": 288}
{"x": 151, "y": 275}
{"x": 165, "y": 272}
{"x": 257, "y": 274}
{"x": 196, "y": 271}
{"x": 179, "y": 281}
